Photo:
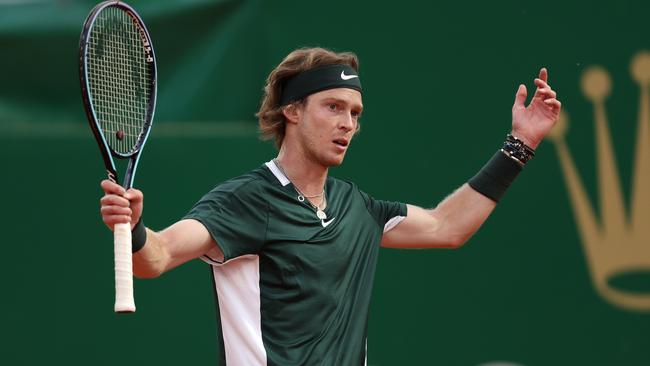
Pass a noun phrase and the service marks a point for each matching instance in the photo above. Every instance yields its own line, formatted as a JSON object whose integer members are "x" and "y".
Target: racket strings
{"x": 120, "y": 79}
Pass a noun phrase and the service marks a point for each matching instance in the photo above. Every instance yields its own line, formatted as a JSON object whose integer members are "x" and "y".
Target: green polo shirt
{"x": 292, "y": 289}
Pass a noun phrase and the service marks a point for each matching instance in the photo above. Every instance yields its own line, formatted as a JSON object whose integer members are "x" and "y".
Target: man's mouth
{"x": 342, "y": 142}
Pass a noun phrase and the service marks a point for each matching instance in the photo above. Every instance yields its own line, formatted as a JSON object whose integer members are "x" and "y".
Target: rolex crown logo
{"x": 617, "y": 243}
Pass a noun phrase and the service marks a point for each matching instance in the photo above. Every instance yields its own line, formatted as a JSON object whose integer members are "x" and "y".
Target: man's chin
{"x": 336, "y": 160}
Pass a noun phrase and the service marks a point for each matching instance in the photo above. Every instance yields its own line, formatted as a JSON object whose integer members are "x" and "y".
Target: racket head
{"x": 118, "y": 79}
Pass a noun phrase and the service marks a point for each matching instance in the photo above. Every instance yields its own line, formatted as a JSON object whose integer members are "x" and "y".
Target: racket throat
{"x": 112, "y": 176}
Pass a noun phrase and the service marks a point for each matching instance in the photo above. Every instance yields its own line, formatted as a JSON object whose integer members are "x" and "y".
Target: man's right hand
{"x": 119, "y": 205}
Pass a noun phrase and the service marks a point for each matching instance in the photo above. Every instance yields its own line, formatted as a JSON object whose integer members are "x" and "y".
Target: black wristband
{"x": 138, "y": 236}
{"x": 496, "y": 176}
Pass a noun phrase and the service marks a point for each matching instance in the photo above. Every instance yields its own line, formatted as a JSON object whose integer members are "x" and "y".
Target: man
{"x": 293, "y": 251}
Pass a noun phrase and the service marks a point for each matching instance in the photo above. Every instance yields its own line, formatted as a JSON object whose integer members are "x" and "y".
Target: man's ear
{"x": 292, "y": 113}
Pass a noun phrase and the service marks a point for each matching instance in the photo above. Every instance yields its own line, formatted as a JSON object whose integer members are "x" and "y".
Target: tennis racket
{"x": 118, "y": 84}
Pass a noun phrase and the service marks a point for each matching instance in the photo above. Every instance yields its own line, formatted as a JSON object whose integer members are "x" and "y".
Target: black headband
{"x": 319, "y": 79}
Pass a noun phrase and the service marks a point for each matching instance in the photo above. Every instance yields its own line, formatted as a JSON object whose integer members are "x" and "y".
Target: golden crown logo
{"x": 618, "y": 243}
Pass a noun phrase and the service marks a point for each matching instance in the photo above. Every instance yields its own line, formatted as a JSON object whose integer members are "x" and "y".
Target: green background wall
{"x": 439, "y": 83}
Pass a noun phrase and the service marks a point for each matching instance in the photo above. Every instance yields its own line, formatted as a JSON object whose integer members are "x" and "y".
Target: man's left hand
{"x": 530, "y": 124}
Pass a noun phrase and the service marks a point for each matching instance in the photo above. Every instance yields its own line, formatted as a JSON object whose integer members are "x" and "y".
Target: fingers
{"x": 111, "y": 187}
{"x": 520, "y": 97}
{"x": 112, "y": 215}
{"x": 541, "y": 84}
{"x": 544, "y": 91}
{"x": 116, "y": 211}
{"x": 554, "y": 103}
{"x": 114, "y": 200}
{"x": 115, "y": 205}
{"x": 111, "y": 220}
{"x": 543, "y": 74}
{"x": 134, "y": 195}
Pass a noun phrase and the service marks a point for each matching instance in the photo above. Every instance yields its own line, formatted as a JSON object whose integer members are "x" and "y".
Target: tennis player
{"x": 293, "y": 250}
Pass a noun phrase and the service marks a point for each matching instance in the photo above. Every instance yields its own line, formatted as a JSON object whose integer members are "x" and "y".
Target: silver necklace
{"x": 301, "y": 196}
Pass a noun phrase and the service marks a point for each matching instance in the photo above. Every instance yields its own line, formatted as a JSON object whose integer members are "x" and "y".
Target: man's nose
{"x": 348, "y": 122}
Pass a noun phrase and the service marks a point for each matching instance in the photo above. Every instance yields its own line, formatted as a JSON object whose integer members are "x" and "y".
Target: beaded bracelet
{"x": 517, "y": 150}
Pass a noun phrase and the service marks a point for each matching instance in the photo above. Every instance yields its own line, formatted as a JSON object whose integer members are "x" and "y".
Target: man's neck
{"x": 307, "y": 175}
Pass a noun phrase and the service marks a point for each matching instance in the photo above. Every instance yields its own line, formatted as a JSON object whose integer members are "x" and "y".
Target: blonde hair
{"x": 271, "y": 119}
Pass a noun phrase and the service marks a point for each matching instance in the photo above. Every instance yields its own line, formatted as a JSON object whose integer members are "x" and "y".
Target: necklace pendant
{"x": 321, "y": 214}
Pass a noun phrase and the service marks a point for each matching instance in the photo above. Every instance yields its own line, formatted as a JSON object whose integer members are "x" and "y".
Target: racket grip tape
{"x": 124, "y": 301}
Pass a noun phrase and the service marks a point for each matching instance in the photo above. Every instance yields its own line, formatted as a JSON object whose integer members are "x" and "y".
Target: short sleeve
{"x": 237, "y": 220}
{"x": 387, "y": 214}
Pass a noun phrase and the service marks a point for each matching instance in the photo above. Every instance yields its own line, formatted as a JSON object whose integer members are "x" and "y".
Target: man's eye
{"x": 333, "y": 107}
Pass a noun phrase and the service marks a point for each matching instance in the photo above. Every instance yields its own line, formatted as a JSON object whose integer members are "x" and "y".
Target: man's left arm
{"x": 458, "y": 217}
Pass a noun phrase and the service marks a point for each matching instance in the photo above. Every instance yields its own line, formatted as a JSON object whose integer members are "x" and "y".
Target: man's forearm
{"x": 152, "y": 259}
{"x": 462, "y": 213}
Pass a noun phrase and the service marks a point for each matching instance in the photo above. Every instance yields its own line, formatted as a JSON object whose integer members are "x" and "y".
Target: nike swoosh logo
{"x": 326, "y": 223}
{"x": 348, "y": 77}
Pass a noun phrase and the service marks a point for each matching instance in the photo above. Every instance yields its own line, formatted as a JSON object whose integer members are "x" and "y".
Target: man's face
{"x": 327, "y": 122}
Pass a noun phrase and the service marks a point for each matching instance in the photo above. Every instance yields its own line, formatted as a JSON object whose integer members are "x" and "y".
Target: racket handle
{"x": 124, "y": 302}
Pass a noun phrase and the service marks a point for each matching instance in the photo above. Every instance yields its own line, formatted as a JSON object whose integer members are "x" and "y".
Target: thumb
{"x": 133, "y": 195}
{"x": 520, "y": 97}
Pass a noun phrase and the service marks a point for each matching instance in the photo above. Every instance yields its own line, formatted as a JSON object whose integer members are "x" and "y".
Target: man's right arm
{"x": 177, "y": 244}
{"x": 164, "y": 250}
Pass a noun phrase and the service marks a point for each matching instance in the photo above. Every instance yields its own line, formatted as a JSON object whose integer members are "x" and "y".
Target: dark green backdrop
{"x": 439, "y": 83}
